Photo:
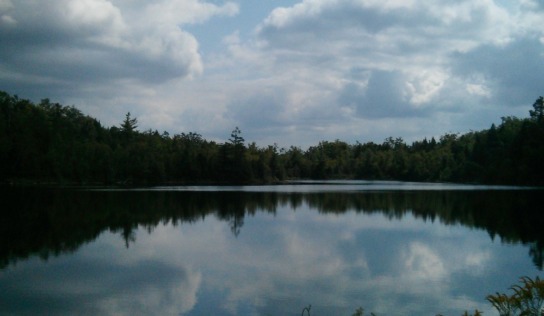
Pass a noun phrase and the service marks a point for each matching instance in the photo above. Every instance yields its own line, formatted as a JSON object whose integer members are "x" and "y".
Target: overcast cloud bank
{"x": 308, "y": 71}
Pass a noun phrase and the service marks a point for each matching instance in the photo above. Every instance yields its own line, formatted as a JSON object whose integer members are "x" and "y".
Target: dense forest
{"x": 52, "y": 143}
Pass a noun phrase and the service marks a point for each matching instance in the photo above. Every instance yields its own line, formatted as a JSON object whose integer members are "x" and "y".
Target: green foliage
{"x": 53, "y": 143}
{"x": 527, "y": 299}
{"x": 538, "y": 113}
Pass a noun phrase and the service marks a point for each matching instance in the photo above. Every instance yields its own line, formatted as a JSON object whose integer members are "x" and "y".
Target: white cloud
{"x": 310, "y": 70}
{"x": 478, "y": 89}
{"x": 423, "y": 86}
{"x": 477, "y": 261}
{"x": 378, "y": 60}
{"x": 422, "y": 263}
{"x": 6, "y": 20}
{"x": 107, "y": 40}
{"x": 93, "y": 14}
{"x": 152, "y": 299}
{"x": 186, "y": 12}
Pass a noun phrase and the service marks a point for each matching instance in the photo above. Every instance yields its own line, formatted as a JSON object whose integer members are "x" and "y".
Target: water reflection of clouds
{"x": 278, "y": 264}
{"x": 99, "y": 283}
{"x": 319, "y": 264}
{"x": 389, "y": 267}
{"x": 423, "y": 264}
{"x": 308, "y": 267}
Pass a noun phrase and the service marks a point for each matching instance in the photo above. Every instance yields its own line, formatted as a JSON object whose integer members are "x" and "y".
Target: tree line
{"x": 49, "y": 142}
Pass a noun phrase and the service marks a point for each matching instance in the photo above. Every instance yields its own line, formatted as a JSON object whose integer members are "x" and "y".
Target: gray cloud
{"x": 390, "y": 28}
{"x": 70, "y": 44}
{"x": 59, "y": 52}
{"x": 313, "y": 69}
{"x": 70, "y": 284}
{"x": 404, "y": 62}
{"x": 257, "y": 110}
{"x": 512, "y": 72}
{"x": 383, "y": 96}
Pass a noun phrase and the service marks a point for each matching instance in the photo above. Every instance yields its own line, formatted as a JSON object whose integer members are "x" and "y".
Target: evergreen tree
{"x": 538, "y": 113}
{"x": 129, "y": 125}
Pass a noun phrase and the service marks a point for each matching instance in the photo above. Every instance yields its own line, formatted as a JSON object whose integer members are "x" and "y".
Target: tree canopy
{"x": 49, "y": 142}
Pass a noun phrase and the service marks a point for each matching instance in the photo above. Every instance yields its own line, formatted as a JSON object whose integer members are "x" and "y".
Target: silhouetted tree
{"x": 129, "y": 124}
{"x": 537, "y": 113}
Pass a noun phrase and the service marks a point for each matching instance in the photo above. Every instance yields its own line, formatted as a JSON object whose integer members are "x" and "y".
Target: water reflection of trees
{"x": 47, "y": 222}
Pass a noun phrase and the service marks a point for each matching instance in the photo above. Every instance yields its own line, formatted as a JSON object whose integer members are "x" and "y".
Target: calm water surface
{"x": 393, "y": 248}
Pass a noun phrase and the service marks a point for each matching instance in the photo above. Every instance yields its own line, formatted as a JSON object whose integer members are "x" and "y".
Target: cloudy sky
{"x": 284, "y": 71}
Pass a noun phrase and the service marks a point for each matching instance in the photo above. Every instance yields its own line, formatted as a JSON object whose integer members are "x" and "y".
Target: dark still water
{"x": 391, "y": 248}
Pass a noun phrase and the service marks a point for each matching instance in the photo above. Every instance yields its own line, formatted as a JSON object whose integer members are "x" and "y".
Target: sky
{"x": 288, "y": 72}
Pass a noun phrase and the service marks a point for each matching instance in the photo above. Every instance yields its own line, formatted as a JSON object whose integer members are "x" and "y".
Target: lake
{"x": 393, "y": 248}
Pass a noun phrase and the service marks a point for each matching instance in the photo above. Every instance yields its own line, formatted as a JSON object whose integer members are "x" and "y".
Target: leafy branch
{"x": 527, "y": 299}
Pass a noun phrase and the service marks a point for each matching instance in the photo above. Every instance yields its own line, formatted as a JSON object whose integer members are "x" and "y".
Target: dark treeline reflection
{"x": 47, "y": 222}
